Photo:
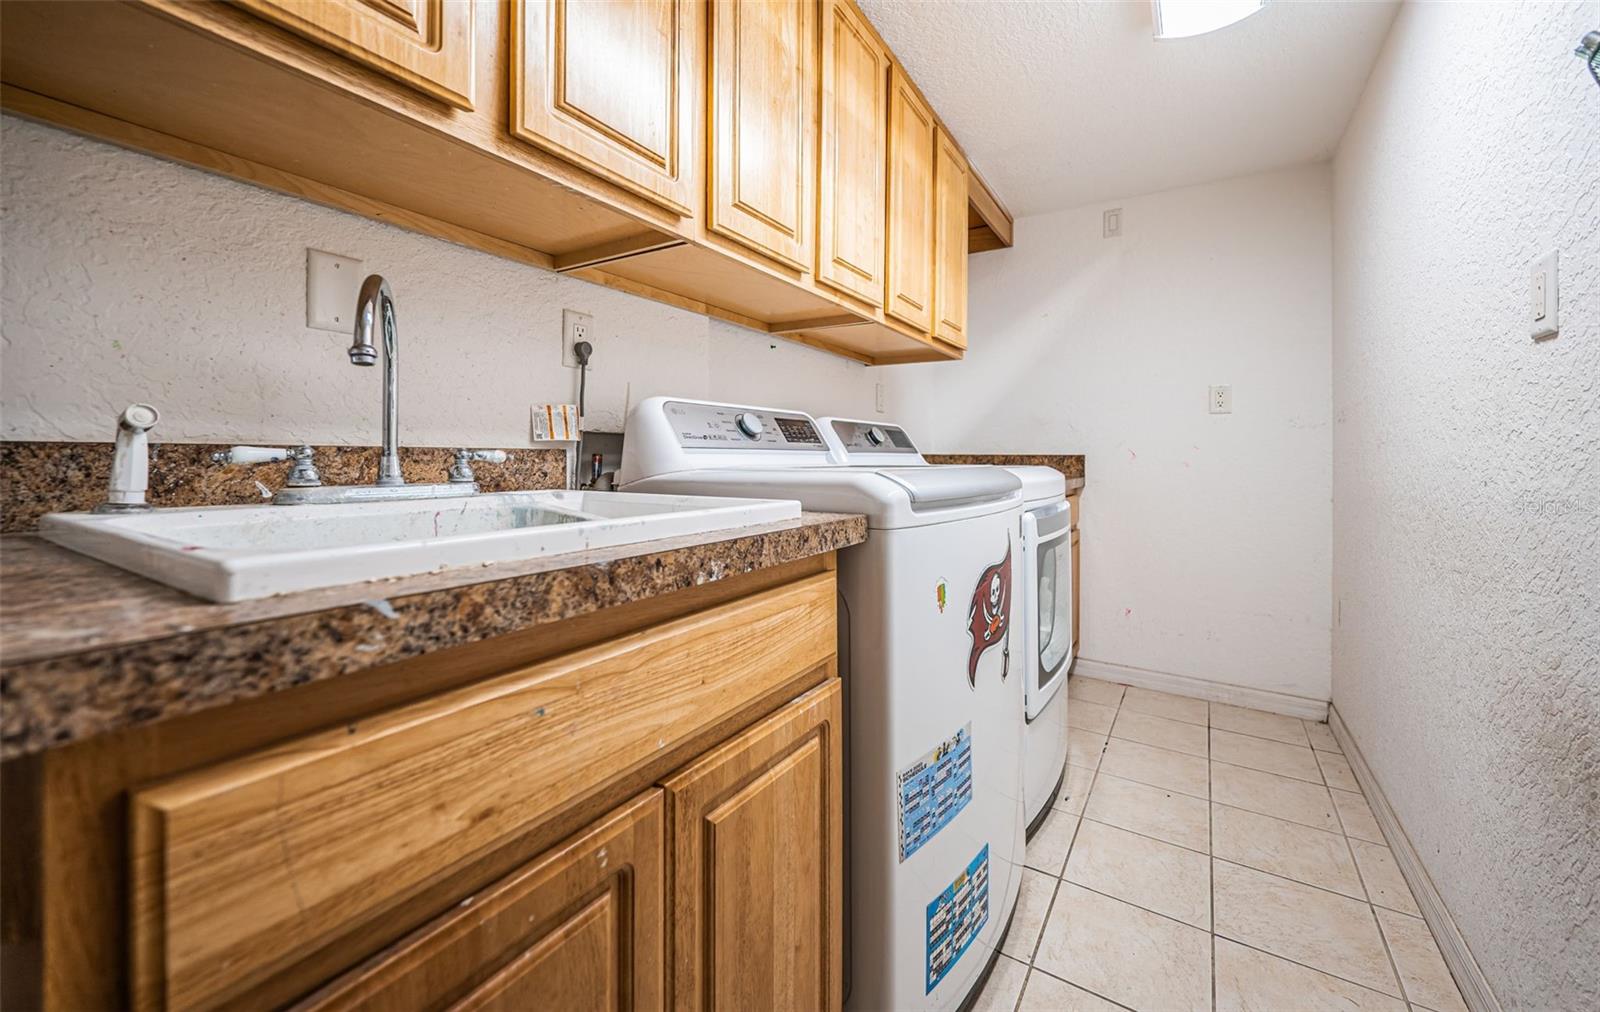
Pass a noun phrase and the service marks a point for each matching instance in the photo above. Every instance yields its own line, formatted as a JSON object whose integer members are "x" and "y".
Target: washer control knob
{"x": 749, "y": 424}
{"x": 876, "y": 436}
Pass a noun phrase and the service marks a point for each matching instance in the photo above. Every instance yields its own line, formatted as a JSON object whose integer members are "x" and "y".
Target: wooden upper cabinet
{"x": 761, "y": 148}
{"x": 425, "y": 43}
{"x": 950, "y": 243}
{"x": 852, "y": 183}
{"x": 911, "y": 199}
{"x": 757, "y": 864}
{"x": 581, "y": 929}
{"x": 613, "y": 86}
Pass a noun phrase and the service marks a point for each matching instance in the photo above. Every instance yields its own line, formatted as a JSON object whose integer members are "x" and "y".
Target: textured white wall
{"x": 130, "y": 278}
{"x": 1467, "y": 476}
{"x": 1206, "y": 537}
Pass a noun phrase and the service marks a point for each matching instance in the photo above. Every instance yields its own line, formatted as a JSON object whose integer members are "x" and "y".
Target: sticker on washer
{"x": 989, "y": 620}
{"x": 956, "y": 916}
{"x": 933, "y": 790}
{"x": 941, "y": 594}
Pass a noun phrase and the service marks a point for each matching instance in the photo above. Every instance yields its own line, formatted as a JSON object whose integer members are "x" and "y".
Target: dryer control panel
{"x": 868, "y": 437}
{"x": 718, "y": 426}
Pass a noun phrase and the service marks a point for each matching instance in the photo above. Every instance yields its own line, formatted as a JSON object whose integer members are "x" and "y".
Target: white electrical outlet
{"x": 1545, "y": 301}
{"x": 575, "y": 327}
{"x": 333, "y": 283}
{"x": 1221, "y": 400}
{"x": 877, "y": 398}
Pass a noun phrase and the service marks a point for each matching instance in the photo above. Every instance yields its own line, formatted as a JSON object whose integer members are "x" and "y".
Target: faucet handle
{"x": 461, "y": 468}
{"x": 302, "y": 475}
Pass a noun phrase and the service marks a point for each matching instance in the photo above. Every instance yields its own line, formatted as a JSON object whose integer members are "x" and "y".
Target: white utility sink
{"x": 234, "y": 553}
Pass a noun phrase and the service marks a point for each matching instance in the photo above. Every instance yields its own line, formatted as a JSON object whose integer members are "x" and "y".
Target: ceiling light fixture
{"x": 1180, "y": 19}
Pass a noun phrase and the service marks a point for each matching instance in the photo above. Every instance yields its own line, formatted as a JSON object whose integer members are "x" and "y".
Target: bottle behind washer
{"x": 931, "y": 677}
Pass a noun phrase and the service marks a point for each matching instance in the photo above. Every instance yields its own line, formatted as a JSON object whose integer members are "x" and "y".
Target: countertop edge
{"x": 52, "y": 698}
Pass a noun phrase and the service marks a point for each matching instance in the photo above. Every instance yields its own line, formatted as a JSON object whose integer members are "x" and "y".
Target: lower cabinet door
{"x": 757, "y": 843}
{"x": 580, "y": 928}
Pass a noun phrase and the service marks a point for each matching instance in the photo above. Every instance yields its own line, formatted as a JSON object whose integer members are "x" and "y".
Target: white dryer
{"x": 1046, "y": 598}
{"x": 931, "y": 662}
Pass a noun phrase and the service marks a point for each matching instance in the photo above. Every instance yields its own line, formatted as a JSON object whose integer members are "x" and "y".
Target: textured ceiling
{"x": 1066, "y": 102}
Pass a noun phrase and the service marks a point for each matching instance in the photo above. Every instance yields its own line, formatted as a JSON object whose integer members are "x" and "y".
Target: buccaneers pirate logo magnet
{"x": 989, "y": 620}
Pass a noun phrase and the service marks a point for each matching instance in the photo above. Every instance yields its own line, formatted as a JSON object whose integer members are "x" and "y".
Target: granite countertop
{"x": 86, "y": 648}
{"x": 1069, "y": 464}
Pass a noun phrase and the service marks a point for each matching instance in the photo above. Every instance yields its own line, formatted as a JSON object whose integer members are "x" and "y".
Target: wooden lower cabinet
{"x": 1077, "y": 595}
{"x": 580, "y": 928}
{"x": 756, "y": 833}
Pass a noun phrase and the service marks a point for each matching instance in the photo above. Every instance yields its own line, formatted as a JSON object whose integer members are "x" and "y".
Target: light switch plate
{"x": 1221, "y": 400}
{"x": 333, "y": 283}
{"x": 1113, "y": 223}
{"x": 1544, "y": 298}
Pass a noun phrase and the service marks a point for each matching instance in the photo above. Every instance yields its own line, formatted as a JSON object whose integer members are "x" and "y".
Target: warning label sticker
{"x": 933, "y": 790}
{"x": 956, "y": 916}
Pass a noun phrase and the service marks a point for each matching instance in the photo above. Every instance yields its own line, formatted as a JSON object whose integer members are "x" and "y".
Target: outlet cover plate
{"x": 332, "y": 284}
{"x": 575, "y": 327}
{"x": 1221, "y": 400}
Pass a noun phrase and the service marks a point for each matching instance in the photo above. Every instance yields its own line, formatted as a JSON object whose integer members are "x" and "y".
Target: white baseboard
{"x": 1203, "y": 688}
{"x": 1474, "y": 985}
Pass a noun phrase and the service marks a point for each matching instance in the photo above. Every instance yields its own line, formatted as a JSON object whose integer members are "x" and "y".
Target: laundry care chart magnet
{"x": 933, "y": 790}
{"x": 956, "y": 916}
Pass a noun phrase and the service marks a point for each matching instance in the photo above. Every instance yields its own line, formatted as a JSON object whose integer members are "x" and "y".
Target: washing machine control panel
{"x": 865, "y": 437}
{"x": 715, "y": 426}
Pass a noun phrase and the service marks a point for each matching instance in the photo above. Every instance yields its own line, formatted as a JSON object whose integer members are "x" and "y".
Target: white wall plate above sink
{"x": 236, "y": 553}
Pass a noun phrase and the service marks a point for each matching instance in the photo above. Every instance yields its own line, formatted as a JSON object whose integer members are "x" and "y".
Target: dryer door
{"x": 1049, "y": 531}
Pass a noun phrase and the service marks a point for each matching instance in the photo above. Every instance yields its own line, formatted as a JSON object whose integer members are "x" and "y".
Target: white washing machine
{"x": 931, "y": 662}
{"x": 1046, "y": 599}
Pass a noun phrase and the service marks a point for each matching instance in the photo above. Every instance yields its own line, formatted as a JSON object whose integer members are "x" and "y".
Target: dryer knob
{"x": 876, "y": 436}
{"x": 749, "y": 424}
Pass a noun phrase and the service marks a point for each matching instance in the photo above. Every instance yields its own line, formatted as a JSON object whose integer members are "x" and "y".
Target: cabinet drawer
{"x": 579, "y": 928}
{"x": 424, "y": 43}
{"x": 757, "y": 839}
{"x": 242, "y": 870}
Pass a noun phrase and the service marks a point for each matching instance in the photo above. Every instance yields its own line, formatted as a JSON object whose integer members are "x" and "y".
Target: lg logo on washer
{"x": 989, "y": 619}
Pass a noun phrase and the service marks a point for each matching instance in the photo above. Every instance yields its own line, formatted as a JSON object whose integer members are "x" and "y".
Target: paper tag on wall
{"x": 555, "y": 422}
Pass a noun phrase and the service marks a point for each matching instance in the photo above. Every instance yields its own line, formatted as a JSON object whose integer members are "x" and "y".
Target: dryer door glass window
{"x": 1055, "y": 608}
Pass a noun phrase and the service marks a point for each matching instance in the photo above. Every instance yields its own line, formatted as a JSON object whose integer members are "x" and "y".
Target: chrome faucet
{"x": 375, "y": 301}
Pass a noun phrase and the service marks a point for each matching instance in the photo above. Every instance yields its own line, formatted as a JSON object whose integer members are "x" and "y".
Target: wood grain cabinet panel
{"x": 1077, "y": 594}
{"x": 911, "y": 205}
{"x": 428, "y": 44}
{"x": 761, "y": 150}
{"x": 580, "y": 929}
{"x": 613, "y": 86}
{"x": 756, "y": 836}
{"x": 242, "y": 871}
{"x": 950, "y": 177}
{"x": 852, "y": 183}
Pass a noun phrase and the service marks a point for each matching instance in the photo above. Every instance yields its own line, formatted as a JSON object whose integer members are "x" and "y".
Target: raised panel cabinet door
{"x": 852, "y": 183}
{"x": 581, "y": 928}
{"x": 756, "y": 836}
{"x": 950, "y": 243}
{"x": 425, "y": 43}
{"x": 763, "y": 82}
{"x": 911, "y": 199}
{"x": 613, "y": 86}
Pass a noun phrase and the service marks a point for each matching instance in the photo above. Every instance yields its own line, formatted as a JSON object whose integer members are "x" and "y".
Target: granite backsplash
{"x": 46, "y": 477}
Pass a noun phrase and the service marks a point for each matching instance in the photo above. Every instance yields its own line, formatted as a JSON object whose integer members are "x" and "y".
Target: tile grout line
{"x": 1080, "y": 987}
{"x": 1146, "y": 836}
{"x": 1326, "y": 973}
{"x": 1211, "y": 861}
{"x": 1055, "y": 890}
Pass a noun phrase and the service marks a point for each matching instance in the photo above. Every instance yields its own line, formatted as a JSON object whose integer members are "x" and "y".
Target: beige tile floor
{"x": 1211, "y": 857}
